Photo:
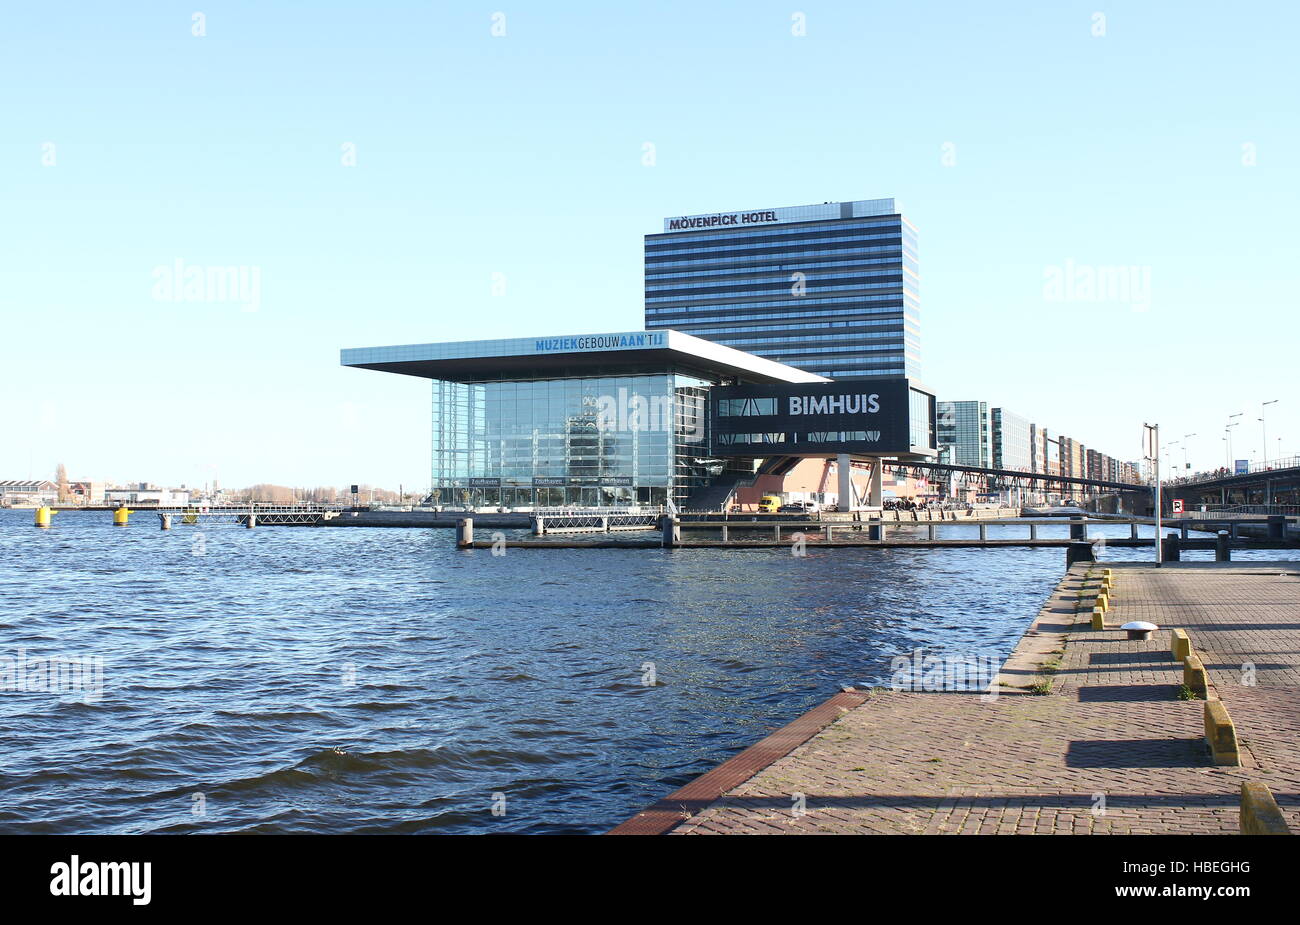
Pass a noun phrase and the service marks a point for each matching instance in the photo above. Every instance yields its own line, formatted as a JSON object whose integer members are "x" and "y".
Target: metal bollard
{"x": 465, "y": 532}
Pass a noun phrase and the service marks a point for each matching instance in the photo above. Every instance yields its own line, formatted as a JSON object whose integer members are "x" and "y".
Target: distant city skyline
{"x": 199, "y": 218}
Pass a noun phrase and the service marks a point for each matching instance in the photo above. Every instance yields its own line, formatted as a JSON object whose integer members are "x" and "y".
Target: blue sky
{"x": 1019, "y": 143}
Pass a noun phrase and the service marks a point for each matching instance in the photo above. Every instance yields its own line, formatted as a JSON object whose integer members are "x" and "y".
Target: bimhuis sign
{"x": 814, "y": 418}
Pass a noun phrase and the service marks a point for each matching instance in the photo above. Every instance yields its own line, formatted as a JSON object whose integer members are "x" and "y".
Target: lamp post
{"x": 1152, "y": 441}
{"x": 1228, "y": 430}
{"x": 1186, "y": 464}
{"x": 1263, "y": 428}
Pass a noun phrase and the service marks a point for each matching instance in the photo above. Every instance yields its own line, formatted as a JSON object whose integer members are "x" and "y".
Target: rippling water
{"x": 379, "y": 680}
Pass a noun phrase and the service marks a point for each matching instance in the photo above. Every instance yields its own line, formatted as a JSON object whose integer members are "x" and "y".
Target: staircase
{"x": 715, "y": 495}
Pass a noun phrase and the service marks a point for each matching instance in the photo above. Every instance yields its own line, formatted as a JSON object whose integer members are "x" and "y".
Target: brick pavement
{"x": 1110, "y": 750}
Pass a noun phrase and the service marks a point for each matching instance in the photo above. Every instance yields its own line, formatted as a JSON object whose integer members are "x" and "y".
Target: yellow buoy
{"x": 120, "y": 515}
{"x": 43, "y": 515}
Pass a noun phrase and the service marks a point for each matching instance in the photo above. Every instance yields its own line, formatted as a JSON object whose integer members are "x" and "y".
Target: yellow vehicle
{"x": 769, "y": 504}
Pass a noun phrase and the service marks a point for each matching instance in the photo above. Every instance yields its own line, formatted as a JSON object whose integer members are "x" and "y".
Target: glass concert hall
{"x": 586, "y": 421}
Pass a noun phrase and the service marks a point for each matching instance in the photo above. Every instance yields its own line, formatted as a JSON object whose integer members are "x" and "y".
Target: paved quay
{"x": 1110, "y": 750}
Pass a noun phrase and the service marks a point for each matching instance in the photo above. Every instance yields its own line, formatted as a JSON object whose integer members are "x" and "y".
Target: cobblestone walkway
{"x": 1110, "y": 750}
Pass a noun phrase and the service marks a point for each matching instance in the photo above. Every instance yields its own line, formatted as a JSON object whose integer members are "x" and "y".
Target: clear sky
{"x": 1028, "y": 149}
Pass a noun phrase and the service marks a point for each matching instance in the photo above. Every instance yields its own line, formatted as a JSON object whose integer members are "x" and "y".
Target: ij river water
{"x": 379, "y": 680}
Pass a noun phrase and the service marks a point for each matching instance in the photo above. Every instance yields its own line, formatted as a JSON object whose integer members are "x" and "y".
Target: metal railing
{"x": 1260, "y": 510}
{"x": 1269, "y": 465}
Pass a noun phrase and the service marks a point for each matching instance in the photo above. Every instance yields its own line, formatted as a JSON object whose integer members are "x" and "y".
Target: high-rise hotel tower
{"x": 832, "y": 288}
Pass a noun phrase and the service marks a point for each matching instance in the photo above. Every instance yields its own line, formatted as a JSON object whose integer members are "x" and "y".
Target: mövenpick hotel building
{"x": 831, "y": 288}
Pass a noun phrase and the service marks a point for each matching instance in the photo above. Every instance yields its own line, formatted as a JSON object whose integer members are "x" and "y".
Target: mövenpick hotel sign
{"x": 692, "y": 222}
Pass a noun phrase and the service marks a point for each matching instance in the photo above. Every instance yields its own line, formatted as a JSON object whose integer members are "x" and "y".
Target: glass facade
{"x": 1012, "y": 441}
{"x": 964, "y": 433}
{"x": 832, "y": 289}
{"x": 577, "y": 441}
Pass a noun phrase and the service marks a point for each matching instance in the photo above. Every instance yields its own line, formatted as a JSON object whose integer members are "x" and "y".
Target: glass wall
{"x": 583, "y": 441}
{"x": 1011, "y": 441}
{"x": 964, "y": 432}
{"x": 839, "y": 297}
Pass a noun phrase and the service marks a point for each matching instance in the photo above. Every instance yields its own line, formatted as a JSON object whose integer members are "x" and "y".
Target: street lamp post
{"x": 1228, "y": 430}
{"x": 1263, "y": 428}
{"x": 1153, "y": 454}
{"x": 1186, "y": 464}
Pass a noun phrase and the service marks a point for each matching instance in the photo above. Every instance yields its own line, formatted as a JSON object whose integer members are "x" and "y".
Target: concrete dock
{"x": 1084, "y": 731}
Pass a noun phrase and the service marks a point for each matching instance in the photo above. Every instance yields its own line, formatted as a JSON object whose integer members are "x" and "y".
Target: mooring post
{"x": 725, "y": 538}
{"x": 1133, "y": 530}
{"x": 1170, "y": 552}
{"x": 465, "y": 532}
{"x": 1078, "y": 529}
{"x": 1033, "y": 531}
{"x": 826, "y": 530}
{"x": 1078, "y": 551}
{"x": 1222, "y": 553}
{"x": 876, "y": 531}
{"x": 671, "y": 530}
{"x": 777, "y": 532}
{"x": 984, "y": 533}
{"x": 1276, "y": 526}
{"x": 165, "y": 521}
{"x": 929, "y": 530}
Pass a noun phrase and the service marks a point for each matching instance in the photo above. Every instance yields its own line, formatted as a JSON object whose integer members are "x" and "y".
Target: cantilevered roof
{"x": 471, "y": 360}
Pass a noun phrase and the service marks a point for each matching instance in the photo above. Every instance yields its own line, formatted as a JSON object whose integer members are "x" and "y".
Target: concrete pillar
{"x": 1183, "y": 528}
{"x": 465, "y": 532}
{"x": 165, "y": 521}
{"x": 876, "y": 531}
{"x": 984, "y": 532}
{"x": 876, "y": 488}
{"x": 671, "y": 529}
{"x": 1078, "y": 529}
{"x": 1133, "y": 530}
{"x": 1221, "y": 551}
{"x": 776, "y": 532}
{"x": 725, "y": 534}
{"x": 252, "y": 520}
{"x": 826, "y": 531}
{"x": 1033, "y": 531}
{"x": 539, "y": 525}
{"x": 1078, "y": 551}
{"x": 844, "y": 475}
{"x": 929, "y": 530}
